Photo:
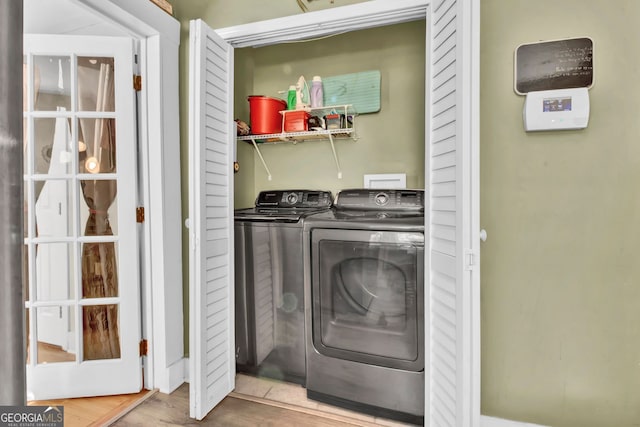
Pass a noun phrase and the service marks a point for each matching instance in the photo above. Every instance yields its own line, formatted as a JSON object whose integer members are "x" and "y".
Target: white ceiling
{"x": 65, "y": 17}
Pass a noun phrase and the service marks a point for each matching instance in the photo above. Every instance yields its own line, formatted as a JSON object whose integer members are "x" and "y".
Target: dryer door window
{"x": 367, "y": 296}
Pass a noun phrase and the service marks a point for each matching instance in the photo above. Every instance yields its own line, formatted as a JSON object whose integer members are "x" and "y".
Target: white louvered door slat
{"x": 211, "y": 135}
{"x": 452, "y": 174}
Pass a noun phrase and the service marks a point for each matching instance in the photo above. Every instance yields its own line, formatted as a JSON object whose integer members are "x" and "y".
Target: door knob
{"x": 483, "y": 235}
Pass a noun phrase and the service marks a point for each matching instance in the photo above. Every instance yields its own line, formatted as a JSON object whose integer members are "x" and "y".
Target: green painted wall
{"x": 560, "y": 291}
{"x": 390, "y": 141}
{"x": 560, "y": 274}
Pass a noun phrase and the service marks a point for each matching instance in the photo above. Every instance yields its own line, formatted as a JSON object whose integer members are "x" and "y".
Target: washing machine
{"x": 364, "y": 298}
{"x": 269, "y": 290}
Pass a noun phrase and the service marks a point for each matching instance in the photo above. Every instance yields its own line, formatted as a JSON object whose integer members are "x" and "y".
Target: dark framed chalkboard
{"x": 556, "y": 64}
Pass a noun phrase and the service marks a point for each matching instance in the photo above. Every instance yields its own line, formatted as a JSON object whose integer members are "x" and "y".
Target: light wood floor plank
{"x": 239, "y": 409}
{"x": 173, "y": 410}
{"x": 96, "y": 411}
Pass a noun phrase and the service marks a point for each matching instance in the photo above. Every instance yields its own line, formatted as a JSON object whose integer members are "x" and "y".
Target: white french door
{"x": 81, "y": 239}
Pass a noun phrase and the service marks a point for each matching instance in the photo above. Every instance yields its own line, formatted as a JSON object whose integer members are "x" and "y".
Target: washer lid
{"x": 276, "y": 214}
{"x": 294, "y": 199}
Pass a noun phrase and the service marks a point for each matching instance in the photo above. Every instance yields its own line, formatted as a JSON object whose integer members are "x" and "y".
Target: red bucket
{"x": 264, "y": 114}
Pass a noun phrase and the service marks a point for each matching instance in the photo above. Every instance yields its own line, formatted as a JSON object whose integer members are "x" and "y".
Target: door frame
{"x": 466, "y": 90}
{"x": 159, "y": 173}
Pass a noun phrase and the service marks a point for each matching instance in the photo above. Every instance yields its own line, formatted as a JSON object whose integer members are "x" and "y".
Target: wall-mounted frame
{"x": 554, "y": 64}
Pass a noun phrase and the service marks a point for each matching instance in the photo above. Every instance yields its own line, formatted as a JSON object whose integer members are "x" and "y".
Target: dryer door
{"x": 367, "y": 296}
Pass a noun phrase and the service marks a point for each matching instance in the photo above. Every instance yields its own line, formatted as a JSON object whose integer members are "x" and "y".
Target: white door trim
{"x": 471, "y": 31}
{"x": 466, "y": 56}
{"x": 162, "y": 323}
{"x": 325, "y": 22}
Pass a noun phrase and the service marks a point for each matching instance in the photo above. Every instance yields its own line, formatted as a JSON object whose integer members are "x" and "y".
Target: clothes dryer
{"x": 364, "y": 298}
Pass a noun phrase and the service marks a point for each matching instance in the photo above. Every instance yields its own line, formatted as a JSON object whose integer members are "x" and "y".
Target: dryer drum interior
{"x": 366, "y": 303}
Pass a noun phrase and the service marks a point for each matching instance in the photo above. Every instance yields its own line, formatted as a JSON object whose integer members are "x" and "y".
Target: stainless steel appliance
{"x": 269, "y": 291}
{"x": 364, "y": 297}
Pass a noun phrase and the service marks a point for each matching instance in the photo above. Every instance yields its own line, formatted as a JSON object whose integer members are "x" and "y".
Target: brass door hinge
{"x": 140, "y": 214}
{"x": 137, "y": 83}
{"x": 144, "y": 347}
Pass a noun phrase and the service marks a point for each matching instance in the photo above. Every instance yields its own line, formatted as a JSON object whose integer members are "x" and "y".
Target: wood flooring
{"x": 96, "y": 411}
{"x": 49, "y": 353}
{"x": 173, "y": 410}
{"x": 254, "y": 402}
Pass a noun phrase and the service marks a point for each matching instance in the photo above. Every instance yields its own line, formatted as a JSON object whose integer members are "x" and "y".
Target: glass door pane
{"x": 52, "y": 83}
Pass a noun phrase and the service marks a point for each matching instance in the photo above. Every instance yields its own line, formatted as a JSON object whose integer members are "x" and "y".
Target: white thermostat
{"x": 556, "y": 109}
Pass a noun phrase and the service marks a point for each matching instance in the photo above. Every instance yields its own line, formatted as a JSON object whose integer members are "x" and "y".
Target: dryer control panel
{"x": 294, "y": 199}
{"x": 384, "y": 199}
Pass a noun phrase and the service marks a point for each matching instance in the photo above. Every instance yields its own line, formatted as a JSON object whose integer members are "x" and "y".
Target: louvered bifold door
{"x": 211, "y": 137}
{"x": 452, "y": 172}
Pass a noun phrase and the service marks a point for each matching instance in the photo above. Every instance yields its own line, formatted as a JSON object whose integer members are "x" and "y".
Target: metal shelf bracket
{"x": 335, "y": 156}
{"x": 264, "y": 164}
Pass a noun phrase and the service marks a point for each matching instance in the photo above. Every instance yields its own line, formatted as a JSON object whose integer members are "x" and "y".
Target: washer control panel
{"x": 294, "y": 199}
{"x": 368, "y": 199}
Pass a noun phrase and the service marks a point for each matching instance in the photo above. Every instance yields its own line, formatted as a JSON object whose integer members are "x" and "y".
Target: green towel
{"x": 362, "y": 90}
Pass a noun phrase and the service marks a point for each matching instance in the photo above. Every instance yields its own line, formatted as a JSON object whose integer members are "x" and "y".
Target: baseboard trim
{"x": 501, "y": 422}
{"x": 175, "y": 376}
